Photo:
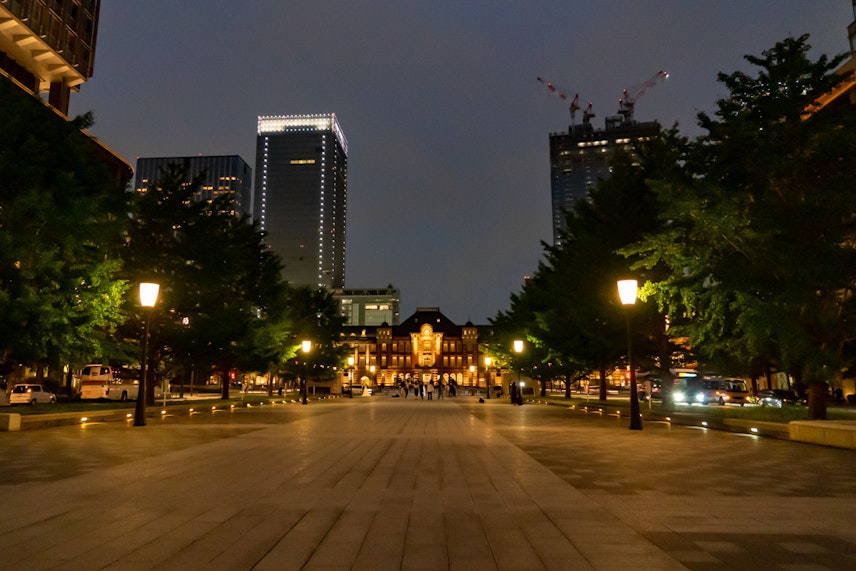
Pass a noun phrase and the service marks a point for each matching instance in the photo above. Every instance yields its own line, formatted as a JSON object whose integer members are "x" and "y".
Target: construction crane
{"x": 588, "y": 114}
{"x": 628, "y": 102}
{"x": 574, "y": 104}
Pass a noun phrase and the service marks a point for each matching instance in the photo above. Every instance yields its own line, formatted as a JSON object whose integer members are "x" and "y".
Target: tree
{"x": 61, "y": 218}
{"x": 759, "y": 238}
{"x": 314, "y": 316}
{"x": 570, "y": 309}
{"x": 219, "y": 281}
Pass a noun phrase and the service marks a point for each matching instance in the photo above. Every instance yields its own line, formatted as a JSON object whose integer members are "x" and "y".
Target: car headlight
{"x": 679, "y": 396}
{"x": 699, "y": 397}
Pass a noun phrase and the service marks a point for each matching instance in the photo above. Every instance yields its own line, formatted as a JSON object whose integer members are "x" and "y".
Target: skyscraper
{"x": 227, "y": 175}
{"x": 301, "y": 192}
{"x": 580, "y": 158}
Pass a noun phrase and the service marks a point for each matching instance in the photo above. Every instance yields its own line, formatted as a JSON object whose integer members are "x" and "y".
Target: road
{"x": 387, "y": 483}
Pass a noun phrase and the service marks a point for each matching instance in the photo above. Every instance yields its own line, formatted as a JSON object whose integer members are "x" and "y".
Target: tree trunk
{"x": 817, "y": 401}
{"x": 568, "y": 384}
{"x": 602, "y": 391}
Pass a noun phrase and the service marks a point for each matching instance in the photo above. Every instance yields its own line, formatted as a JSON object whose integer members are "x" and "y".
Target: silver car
{"x": 31, "y": 394}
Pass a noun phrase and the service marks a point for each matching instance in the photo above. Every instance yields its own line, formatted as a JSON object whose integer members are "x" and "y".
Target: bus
{"x": 100, "y": 382}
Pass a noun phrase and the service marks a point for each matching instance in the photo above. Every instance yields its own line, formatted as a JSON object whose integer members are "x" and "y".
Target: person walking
{"x": 429, "y": 388}
{"x": 513, "y": 390}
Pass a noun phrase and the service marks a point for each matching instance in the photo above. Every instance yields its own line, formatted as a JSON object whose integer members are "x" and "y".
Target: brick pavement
{"x": 383, "y": 483}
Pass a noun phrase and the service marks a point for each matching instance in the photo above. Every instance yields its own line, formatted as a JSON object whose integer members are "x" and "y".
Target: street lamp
{"x": 148, "y": 298}
{"x": 351, "y": 377}
{"x": 487, "y": 362}
{"x": 518, "y": 348}
{"x": 306, "y": 347}
{"x": 627, "y": 294}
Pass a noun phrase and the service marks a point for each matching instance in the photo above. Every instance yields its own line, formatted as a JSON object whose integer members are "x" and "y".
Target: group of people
{"x": 427, "y": 390}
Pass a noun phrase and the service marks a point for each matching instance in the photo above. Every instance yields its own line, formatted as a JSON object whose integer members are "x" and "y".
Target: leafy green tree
{"x": 61, "y": 215}
{"x": 314, "y": 316}
{"x": 219, "y": 281}
{"x": 570, "y": 309}
{"x": 759, "y": 238}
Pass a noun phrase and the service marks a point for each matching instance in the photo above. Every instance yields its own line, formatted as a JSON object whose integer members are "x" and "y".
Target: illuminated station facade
{"x": 300, "y": 202}
{"x": 427, "y": 346}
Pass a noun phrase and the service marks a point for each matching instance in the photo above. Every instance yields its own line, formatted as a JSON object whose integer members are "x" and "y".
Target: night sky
{"x": 448, "y": 190}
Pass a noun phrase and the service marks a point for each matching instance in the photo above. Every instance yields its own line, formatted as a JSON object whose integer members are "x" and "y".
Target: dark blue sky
{"x": 449, "y": 193}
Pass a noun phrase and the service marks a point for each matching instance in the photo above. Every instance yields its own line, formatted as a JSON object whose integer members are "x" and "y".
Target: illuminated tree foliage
{"x": 61, "y": 217}
{"x": 759, "y": 238}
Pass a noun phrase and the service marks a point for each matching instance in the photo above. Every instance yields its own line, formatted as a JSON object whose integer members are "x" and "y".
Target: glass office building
{"x": 227, "y": 175}
{"x": 580, "y": 158}
{"x": 301, "y": 196}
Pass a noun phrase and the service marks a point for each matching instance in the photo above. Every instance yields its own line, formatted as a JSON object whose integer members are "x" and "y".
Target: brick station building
{"x": 425, "y": 346}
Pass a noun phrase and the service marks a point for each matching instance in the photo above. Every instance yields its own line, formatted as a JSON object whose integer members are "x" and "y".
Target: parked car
{"x": 779, "y": 397}
{"x": 31, "y": 394}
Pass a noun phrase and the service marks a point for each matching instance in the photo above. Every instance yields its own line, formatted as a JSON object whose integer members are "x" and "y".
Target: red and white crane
{"x": 574, "y": 102}
{"x": 628, "y": 102}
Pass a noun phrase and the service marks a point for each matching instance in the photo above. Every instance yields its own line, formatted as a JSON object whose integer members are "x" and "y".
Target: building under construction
{"x": 581, "y": 157}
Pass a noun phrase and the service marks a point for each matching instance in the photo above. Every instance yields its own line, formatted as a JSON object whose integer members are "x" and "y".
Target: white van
{"x": 97, "y": 382}
{"x": 723, "y": 391}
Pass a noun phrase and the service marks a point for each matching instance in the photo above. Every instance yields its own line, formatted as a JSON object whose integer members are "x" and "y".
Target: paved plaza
{"x": 386, "y": 483}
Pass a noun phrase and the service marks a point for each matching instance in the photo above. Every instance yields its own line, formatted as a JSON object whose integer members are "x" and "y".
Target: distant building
{"x": 369, "y": 306}
{"x": 301, "y": 191}
{"x": 426, "y": 346}
{"x": 227, "y": 175}
{"x": 580, "y": 158}
{"x": 845, "y": 94}
{"x": 48, "y": 46}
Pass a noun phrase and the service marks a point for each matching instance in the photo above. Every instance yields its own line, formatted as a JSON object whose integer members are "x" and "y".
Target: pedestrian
{"x": 513, "y": 390}
{"x": 440, "y": 384}
{"x": 453, "y": 388}
{"x": 429, "y": 388}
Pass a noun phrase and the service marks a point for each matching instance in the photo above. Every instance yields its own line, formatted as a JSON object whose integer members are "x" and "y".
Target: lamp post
{"x": 518, "y": 348}
{"x": 351, "y": 377}
{"x": 627, "y": 293}
{"x": 306, "y": 347}
{"x": 487, "y": 362}
{"x": 148, "y": 298}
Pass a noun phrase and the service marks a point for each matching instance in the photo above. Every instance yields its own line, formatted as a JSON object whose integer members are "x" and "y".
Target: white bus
{"x": 98, "y": 382}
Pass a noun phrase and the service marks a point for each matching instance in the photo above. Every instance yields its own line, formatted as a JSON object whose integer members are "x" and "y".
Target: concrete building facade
{"x": 369, "y": 306}
{"x": 48, "y": 46}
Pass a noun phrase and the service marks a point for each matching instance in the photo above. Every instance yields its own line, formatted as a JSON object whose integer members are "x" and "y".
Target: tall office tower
{"x": 48, "y": 46}
{"x": 226, "y": 175}
{"x": 581, "y": 157}
{"x": 301, "y": 193}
